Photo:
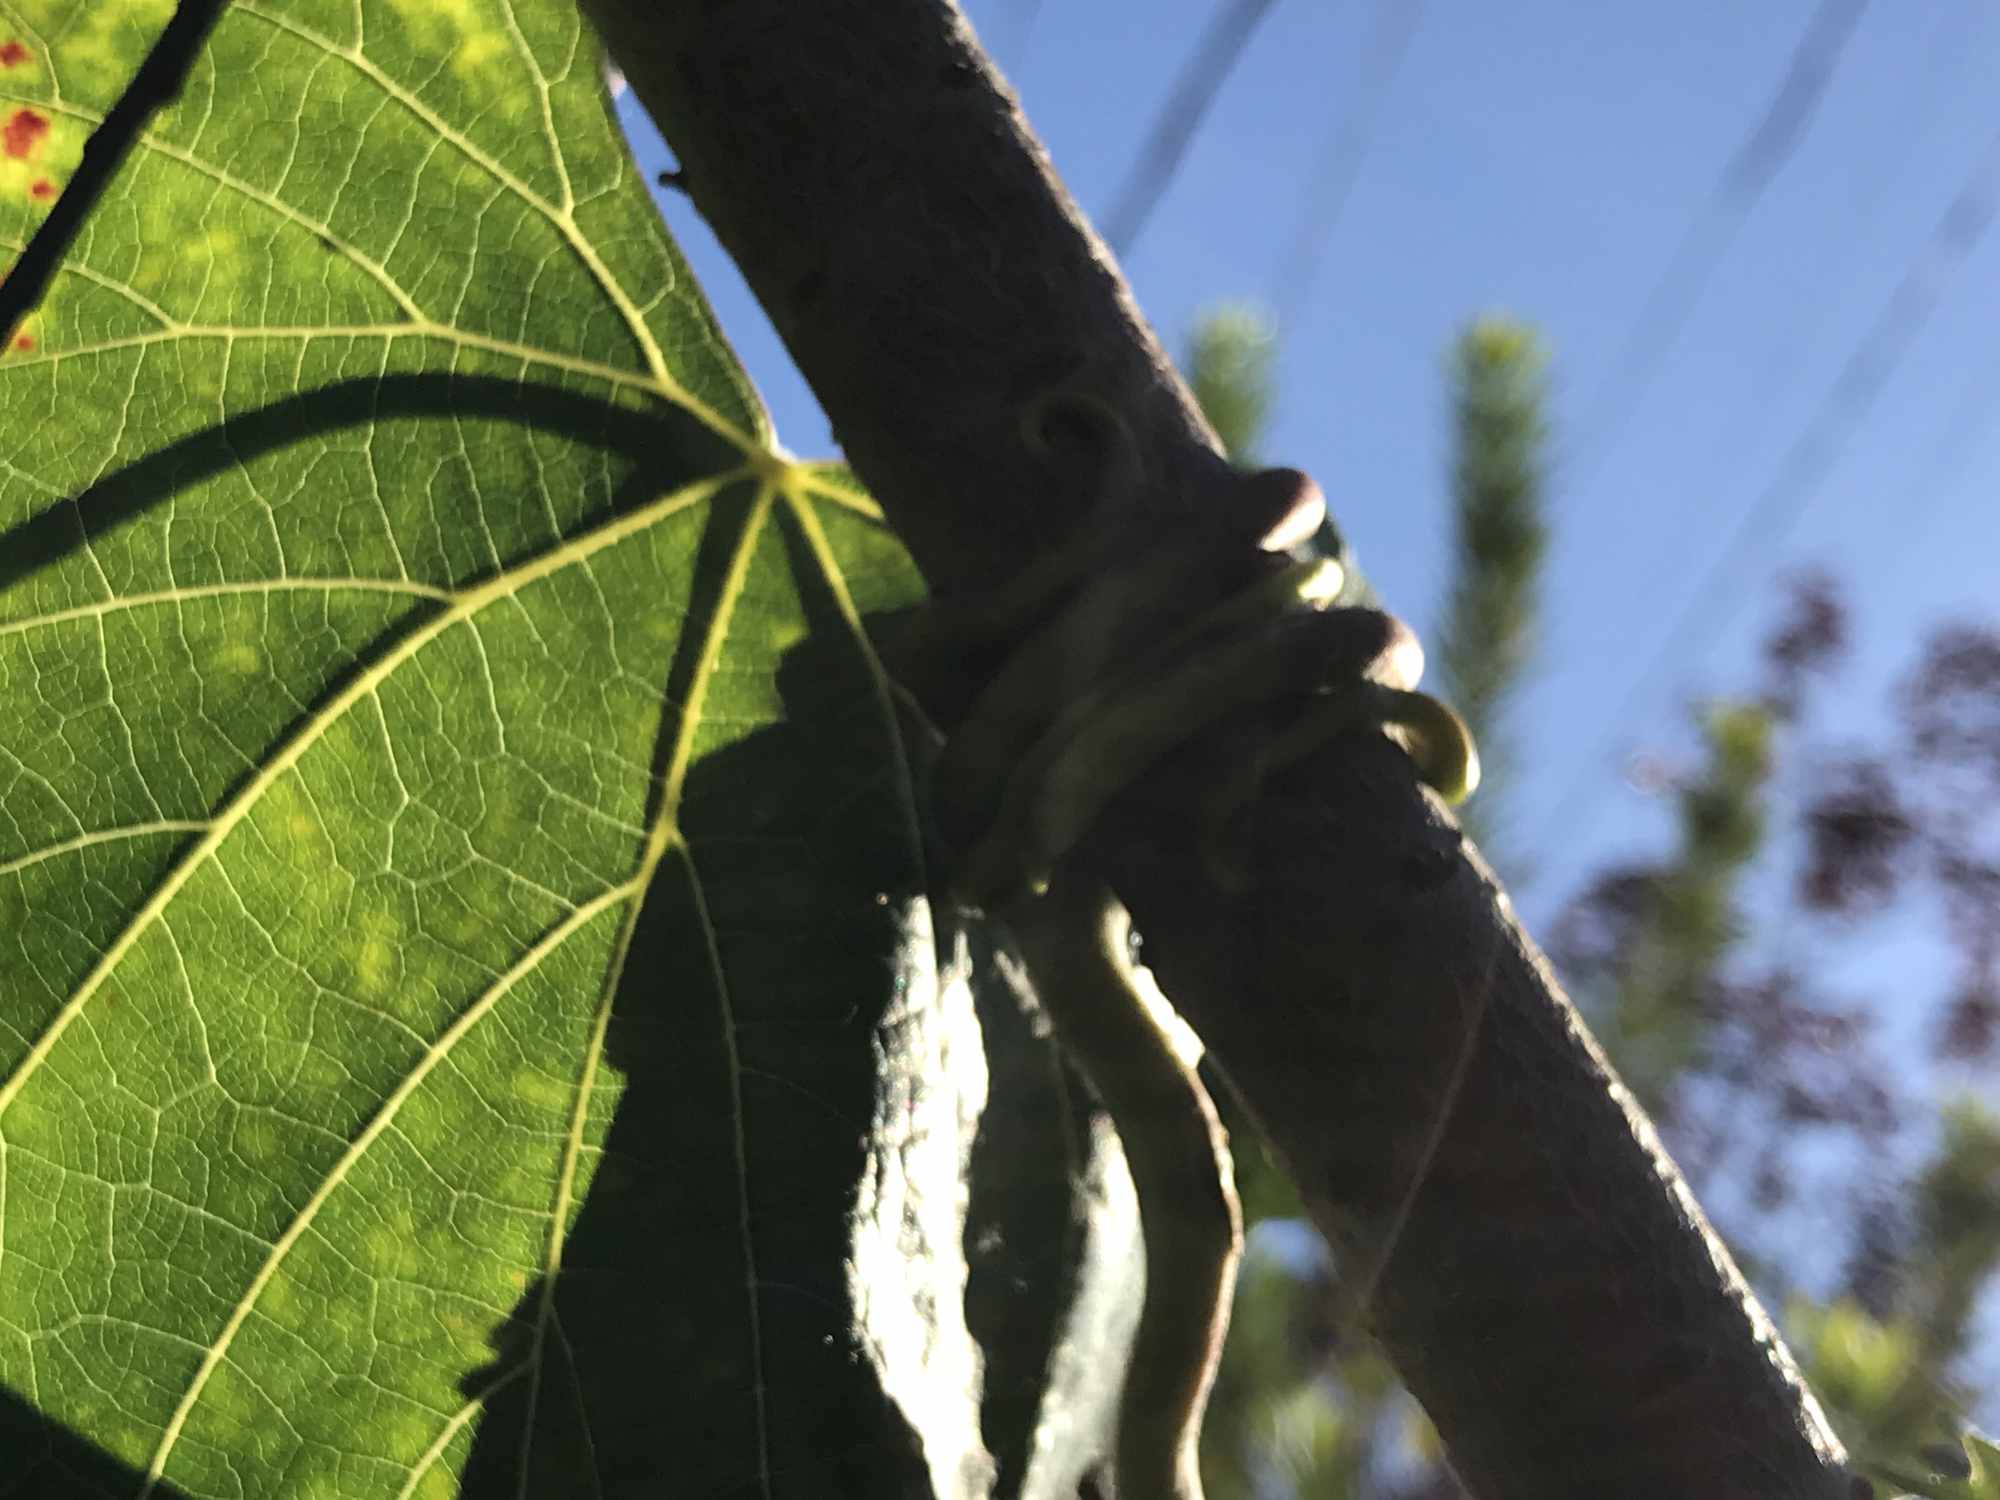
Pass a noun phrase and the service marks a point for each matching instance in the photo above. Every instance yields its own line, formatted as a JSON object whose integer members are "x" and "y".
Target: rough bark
{"x": 1533, "y": 1263}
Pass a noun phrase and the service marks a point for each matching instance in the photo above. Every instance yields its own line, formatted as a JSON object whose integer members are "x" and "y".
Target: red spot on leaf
{"x": 24, "y": 342}
{"x": 23, "y": 132}
{"x": 12, "y": 54}
{"x": 41, "y": 187}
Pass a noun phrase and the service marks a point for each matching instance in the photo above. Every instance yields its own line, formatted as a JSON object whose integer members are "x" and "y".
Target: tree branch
{"x": 1541, "y": 1277}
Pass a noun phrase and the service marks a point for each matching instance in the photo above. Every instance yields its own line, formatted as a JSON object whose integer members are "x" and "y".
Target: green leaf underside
{"x": 435, "y": 738}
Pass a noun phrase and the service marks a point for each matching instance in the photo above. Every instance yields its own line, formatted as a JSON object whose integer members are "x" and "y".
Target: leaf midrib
{"x": 632, "y": 890}
{"x": 561, "y": 217}
{"x": 363, "y": 686}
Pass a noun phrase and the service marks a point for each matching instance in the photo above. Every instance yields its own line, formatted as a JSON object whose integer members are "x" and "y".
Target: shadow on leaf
{"x": 42, "y": 1460}
{"x": 658, "y": 439}
{"x": 787, "y": 1079}
{"x": 703, "y": 1335}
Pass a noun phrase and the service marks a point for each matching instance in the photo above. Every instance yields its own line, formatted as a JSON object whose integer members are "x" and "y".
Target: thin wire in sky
{"x": 1917, "y": 506}
{"x": 1844, "y": 408}
{"x": 1947, "y": 57}
{"x": 1017, "y": 34}
{"x": 1178, "y": 119}
{"x": 1761, "y": 156}
{"x": 1346, "y": 147}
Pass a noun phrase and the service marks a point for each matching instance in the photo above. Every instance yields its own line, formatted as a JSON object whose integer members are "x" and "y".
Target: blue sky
{"x": 1547, "y": 160}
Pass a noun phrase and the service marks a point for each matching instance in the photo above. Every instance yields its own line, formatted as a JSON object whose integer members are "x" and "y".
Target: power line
{"x": 1346, "y": 147}
{"x": 1014, "y": 46}
{"x": 1947, "y": 57}
{"x": 1949, "y": 453}
{"x": 1846, "y": 405}
{"x": 1178, "y": 119}
{"x": 1757, "y": 160}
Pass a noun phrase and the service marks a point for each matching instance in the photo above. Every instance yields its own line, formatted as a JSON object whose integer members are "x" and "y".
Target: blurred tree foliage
{"x": 1232, "y": 368}
{"x": 1499, "y": 443}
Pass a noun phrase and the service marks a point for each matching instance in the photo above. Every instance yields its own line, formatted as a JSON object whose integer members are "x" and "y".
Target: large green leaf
{"x": 466, "y": 1021}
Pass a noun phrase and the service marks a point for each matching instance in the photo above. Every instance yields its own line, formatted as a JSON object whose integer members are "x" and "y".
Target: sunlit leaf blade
{"x": 456, "y": 851}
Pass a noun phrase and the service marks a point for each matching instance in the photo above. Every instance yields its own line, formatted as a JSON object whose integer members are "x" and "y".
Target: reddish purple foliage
{"x": 1953, "y": 703}
{"x": 1810, "y": 638}
{"x": 1856, "y": 837}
